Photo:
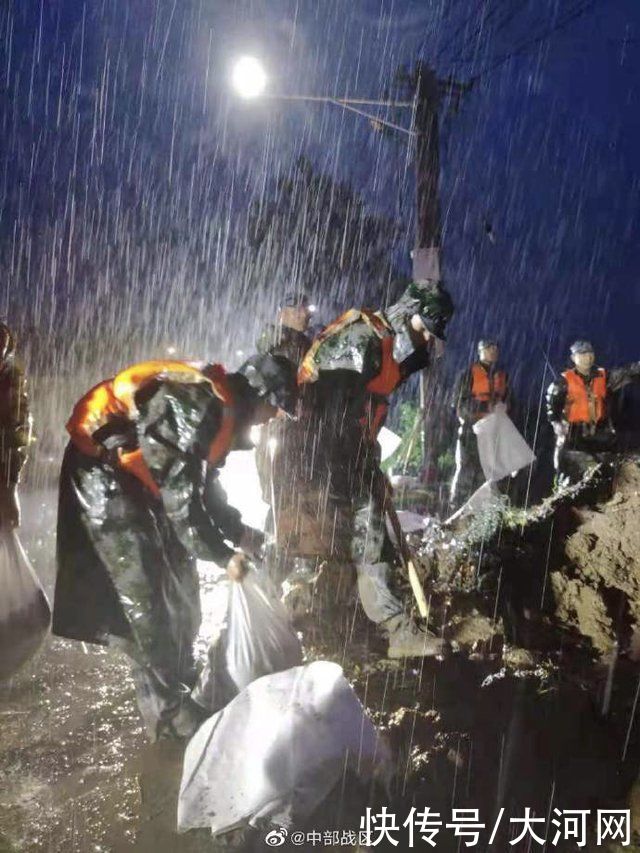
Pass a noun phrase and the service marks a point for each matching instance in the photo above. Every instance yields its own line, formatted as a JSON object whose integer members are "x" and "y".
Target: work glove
{"x": 9, "y": 507}
{"x": 238, "y": 566}
{"x": 251, "y": 541}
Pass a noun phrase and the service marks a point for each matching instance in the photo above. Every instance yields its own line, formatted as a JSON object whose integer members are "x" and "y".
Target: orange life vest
{"x": 380, "y": 387}
{"x": 586, "y": 400}
{"x": 486, "y": 387}
{"x": 115, "y": 398}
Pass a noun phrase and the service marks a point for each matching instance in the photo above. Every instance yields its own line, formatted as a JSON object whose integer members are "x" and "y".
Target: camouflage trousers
{"x": 369, "y": 547}
{"x": 124, "y": 578}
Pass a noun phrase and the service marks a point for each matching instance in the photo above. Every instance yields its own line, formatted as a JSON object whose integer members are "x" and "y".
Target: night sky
{"x": 127, "y": 167}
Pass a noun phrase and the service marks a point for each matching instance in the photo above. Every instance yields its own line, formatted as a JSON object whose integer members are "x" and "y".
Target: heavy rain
{"x": 375, "y": 582}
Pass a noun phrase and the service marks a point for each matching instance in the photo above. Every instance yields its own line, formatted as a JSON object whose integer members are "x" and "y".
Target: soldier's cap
{"x": 435, "y": 306}
{"x": 273, "y": 379}
{"x": 581, "y": 347}
{"x": 484, "y": 343}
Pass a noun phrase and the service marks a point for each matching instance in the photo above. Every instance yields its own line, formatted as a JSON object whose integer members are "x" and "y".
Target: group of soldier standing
{"x": 140, "y": 498}
{"x": 578, "y": 408}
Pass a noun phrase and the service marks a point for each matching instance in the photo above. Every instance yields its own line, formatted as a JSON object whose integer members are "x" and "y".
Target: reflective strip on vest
{"x": 223, "y": 439}
{"x": 128, "y": 382}
{"x": 586, "y": 402}
{"x": 485, "y": 387}
{"x": 115, "y": 397}
{"x": 389, "y": 375}
{"x": 308, "y": 371}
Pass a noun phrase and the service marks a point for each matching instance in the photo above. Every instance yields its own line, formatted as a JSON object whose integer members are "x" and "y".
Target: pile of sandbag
{"x": 277, "y": 750}
{"x": 283, "y": 734}
{"x": 25, "y": 614}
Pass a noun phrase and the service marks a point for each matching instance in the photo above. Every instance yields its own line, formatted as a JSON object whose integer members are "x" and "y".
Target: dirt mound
{"x": 597, "y": 590}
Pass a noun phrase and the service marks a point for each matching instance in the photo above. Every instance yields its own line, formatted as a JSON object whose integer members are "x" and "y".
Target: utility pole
{"x": 429, "y": 92}
{"x": 426, "y": 254}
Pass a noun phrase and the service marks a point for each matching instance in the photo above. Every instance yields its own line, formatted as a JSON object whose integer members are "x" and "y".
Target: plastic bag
{"x": 25, "y": 614}
{"x": 258, "y": 640}
{"x": 501, "y": 448}
{"x": 277, "y": 750}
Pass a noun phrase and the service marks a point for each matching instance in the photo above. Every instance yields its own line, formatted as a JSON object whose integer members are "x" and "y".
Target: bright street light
{"x": 248, "y": 77}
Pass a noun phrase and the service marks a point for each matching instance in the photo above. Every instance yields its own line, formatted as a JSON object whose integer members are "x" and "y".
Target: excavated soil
{"x": 597, "y": 590}
{"x": 548, "y": 723}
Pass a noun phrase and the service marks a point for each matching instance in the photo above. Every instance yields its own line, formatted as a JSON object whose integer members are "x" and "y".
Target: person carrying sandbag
{"x": 480, "y": 390}
{"x": 139, "y": 502}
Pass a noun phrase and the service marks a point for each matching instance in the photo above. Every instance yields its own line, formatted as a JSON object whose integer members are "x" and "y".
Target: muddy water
{"x": 76, "y": 771}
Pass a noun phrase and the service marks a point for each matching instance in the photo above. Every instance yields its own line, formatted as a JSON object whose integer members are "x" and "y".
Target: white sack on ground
{"x": 258, "y": 640}
{"x": 277, "y": 750}
{"x": 25, "y": 614}
{"x": 501, "y": 448}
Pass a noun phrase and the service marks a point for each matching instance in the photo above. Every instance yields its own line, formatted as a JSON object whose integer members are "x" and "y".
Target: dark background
{"x": 127, "y": 170}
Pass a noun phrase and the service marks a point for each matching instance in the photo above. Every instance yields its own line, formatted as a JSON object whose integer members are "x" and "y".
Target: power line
{"x": 426, "y": 38}
{"x": 482, "y": 25}
{"x": 577, "y": 12}
{"x": 511, "y": 14}
{"x": 462, "y": 26}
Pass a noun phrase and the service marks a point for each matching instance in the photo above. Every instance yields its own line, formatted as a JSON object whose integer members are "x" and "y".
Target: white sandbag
{"x": 389, "y": 442}
{"x": 258, "y": 639}
{"x": 25, "y": 614}
{"x": 501, "y": 448}
{"x": 277, "y": 750}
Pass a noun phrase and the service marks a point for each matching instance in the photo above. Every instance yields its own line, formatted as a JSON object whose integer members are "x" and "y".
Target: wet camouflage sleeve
{"x": 463, "y": 401}
{"x": 175, "y": 428}
{"x": 355, "y": 348}
{"x": 556, "y": 399}
{"x": 621, "y": 376}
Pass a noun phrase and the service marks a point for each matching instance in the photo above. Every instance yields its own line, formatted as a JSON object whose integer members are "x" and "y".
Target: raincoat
{"x": 279, "y": 448}
{"x": 127, "y": 544}
{"x": 336, "y": 510}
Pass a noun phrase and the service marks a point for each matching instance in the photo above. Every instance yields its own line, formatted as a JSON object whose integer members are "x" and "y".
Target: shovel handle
{"x": 405, "y": 552}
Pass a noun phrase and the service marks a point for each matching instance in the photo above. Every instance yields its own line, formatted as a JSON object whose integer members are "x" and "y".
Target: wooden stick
{"x": 405, "y": 553}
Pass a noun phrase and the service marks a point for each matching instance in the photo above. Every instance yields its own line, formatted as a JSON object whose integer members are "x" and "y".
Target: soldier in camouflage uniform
{"x": 135, "y": 513}
{"x": 340, "y": 493}
{"x": 277, "y": 450}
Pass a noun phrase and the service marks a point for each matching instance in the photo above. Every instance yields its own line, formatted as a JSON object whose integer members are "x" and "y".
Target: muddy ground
{"x": 482, "y": 729}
